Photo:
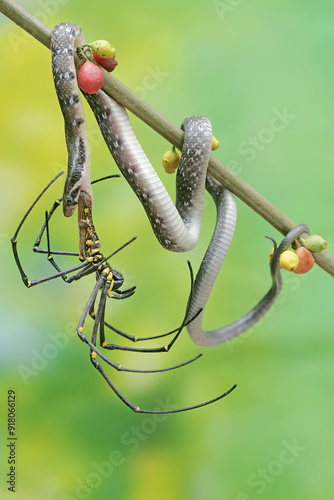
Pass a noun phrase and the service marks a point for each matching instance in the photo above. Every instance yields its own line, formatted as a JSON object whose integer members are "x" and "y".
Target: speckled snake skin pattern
{"x": 65, "y": 39}
{"x": 176, "y": 227}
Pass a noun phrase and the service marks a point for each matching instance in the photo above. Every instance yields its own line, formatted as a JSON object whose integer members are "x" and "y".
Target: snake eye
{"x": 69, "y": 200}
{"x": 73, "y": 197}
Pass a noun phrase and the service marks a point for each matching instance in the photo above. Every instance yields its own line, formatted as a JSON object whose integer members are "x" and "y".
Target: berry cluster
{"x": 301, "y": 259}
{"x": 90, "y": 76}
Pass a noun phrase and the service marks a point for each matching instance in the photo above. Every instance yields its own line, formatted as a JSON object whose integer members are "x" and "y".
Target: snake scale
{"x": 176, "y": 227}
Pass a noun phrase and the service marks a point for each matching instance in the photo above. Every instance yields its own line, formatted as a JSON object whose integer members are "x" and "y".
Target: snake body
{"x": 176, "y": 227}
{"x": 65, "y": 38}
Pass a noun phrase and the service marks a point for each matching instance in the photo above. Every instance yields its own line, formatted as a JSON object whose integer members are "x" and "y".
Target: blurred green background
{"x": 241, "y": 64}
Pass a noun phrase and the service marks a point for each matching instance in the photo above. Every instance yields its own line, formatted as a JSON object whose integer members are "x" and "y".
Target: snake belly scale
{"x": 176, "y": 227}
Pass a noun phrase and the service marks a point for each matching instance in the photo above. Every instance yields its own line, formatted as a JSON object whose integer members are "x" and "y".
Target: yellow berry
{"x": 271, "y": 253}
{"x": 289, "y": 260}
{"x": 102, "y": 48}
{"x": 215, "y": 143}
{"x": 170, "y": 160}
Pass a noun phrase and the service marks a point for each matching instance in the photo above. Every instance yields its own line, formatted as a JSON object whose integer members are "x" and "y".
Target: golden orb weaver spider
{"x": 108, "y": 282}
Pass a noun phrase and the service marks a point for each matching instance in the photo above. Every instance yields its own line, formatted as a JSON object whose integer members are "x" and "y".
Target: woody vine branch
{"x": 171, "y": 133}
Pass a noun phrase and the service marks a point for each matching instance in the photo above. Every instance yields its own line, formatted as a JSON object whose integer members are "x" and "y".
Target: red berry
{"x": 106, "y": 63}
{"x": 306, "y": 260}
{"x": 90, "y": 78}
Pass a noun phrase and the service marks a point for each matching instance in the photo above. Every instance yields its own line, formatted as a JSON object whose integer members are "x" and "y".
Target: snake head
{"x": 70, "y": 199}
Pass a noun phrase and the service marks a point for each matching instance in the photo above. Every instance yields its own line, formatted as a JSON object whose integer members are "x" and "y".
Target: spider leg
{"x": 99, "y": 319}
{"x": 89, "y": 266}
{"x": 103, "y": 284}
{"x": 164, "y": 348}
{"x": 29, "y": 283}
{"x": 136, "y": 409}
{"x": 134, "y": 338}
{"x": 113, "y": 176}
{"x": 50, "y": 252}
{"x": 85, "y": 268}
{"x": 45, "y": 228}
{"x": 99, "y": 322}
{"x": 48, "y": 216}
{"x": 36, "y": 248}
{"x": 124, "y": 294}
{"x": 14, "y": 238}
{"x": 33, "y": 204}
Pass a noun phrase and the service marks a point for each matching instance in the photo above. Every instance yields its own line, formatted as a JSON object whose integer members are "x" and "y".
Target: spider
{"x": 109, "y": 283}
